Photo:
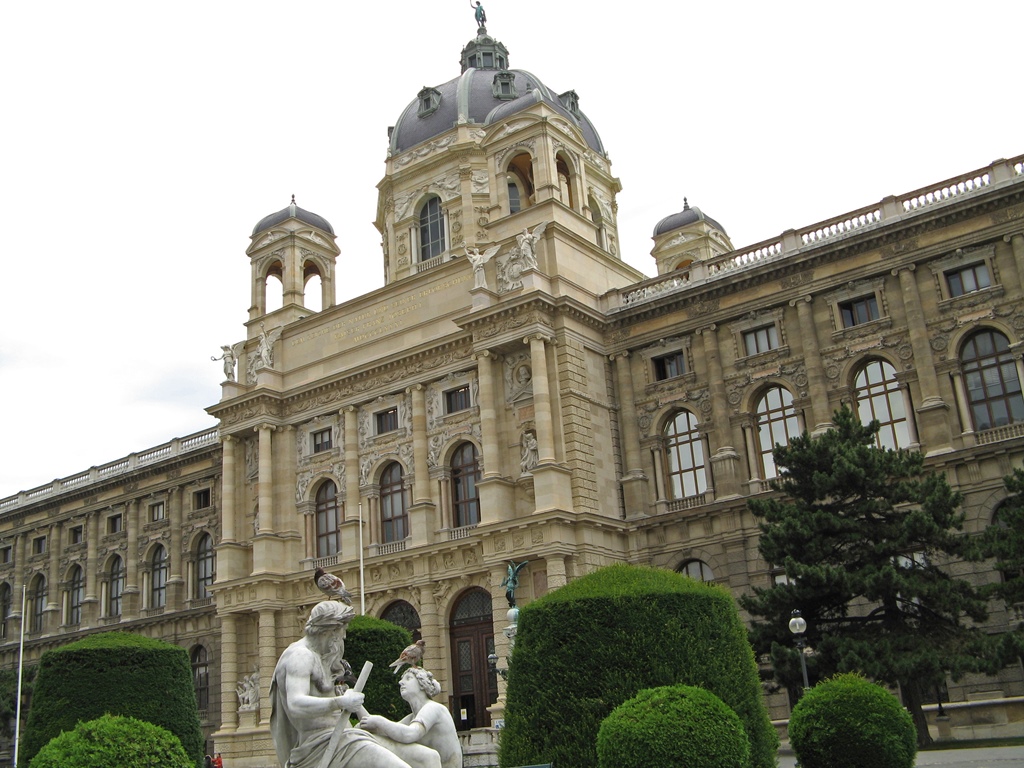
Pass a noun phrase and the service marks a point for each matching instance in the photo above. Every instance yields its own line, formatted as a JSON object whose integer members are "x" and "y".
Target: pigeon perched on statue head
{"x": 412, "y": 656}
{"x": 332, "y": 586}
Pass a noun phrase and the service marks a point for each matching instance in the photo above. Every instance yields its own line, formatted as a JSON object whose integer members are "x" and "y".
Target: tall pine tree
{"x": 863, "y": 534}
{"x": 1004, "y": 541}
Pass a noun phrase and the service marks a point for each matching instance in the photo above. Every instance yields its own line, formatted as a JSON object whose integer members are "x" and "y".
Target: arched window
{"x": 37, "y": 604}
{"x": 205, "y": 566}
{"x": 776, "y": 424}
{"x": 431, "y": 229}
{"x": 520, "y": 182}
{"x": 565, "y": 190}
{"x": 990, "y": 377}
{"x": 158, "y": 585}
{"x": 404, "y": 615}
{"x": 684, "y": 457}
{"x": 76, "y": 596}
{"x": 697, "y": 569}
{"x": 328, "y": 520}
{"x": 116, "y": 587}
{"x": 201, "y": 677}
{"x": 879, "y": 398}
{"x": 5, "y": 608}
{"x": 394, "y": 519}
{"x": 465, "y": 474}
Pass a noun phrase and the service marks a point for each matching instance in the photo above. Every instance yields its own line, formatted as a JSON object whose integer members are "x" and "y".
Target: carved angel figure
{"x": 230, "y": 353}
{"x": 478, "y": 259}
{"x": 528, "y": 245}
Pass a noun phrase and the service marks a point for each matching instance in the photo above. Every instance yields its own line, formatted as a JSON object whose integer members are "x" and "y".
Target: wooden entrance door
{"x": 474, "y": 686}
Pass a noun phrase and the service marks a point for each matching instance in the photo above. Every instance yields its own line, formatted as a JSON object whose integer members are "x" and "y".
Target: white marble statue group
{"x": 310, "y": 715}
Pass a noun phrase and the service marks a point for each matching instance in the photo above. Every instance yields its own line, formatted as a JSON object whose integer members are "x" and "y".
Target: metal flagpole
{"x": 21, "y": 671}
{"x": 362, "y": 573}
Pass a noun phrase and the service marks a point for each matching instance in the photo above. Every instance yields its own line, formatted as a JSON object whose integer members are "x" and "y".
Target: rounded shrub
{"x": 585, "y": 648}
{"x": 378, "y": 641}
{"x": 675, "y": 725}
{"x": 849, "y": 722}
{"x": 114, "y": 740}
{"x": 117, "y": 673}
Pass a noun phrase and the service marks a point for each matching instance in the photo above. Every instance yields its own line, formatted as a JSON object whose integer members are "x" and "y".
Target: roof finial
{"x": 293, "y": 199}
{"x": 686, "y": 203}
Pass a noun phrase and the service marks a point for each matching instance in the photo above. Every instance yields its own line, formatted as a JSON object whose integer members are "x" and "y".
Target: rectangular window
{"x": 387, "y": 421}
{"x": 456, "y": 399}
{"x": 201, "y": 499}
{"x": 760, "y": 340}
{"x": 967, "y": 280}
{"x": 322, "y": 441}
{"x": 859, "y": 311}
{"x": 38, "y": 545}
{"x": 115, "y": 524}
{"x": 669, "y": 366}
{"x": 157, "y": 512}
{"x": 5, "y": 555}
{"x": 76, "y": 535}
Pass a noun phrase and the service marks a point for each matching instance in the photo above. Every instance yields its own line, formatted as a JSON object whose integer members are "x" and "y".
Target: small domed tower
{"x": 477, "y": 160}
{"x": 292, "y": 246}
{"x": 687, "y": 237}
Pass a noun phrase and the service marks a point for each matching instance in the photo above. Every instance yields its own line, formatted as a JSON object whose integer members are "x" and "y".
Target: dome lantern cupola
{"x": 484, "y": 52}
{"x": 688, "y": 237}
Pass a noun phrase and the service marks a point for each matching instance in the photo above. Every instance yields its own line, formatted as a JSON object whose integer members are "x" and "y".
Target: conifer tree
{"x": 864, "y": 535}
{"x": 1004, "y": 541}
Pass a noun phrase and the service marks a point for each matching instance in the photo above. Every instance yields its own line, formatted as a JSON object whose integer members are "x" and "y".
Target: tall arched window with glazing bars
{"x": 394, "y": 518}
{"x": 991, "y": 380}
{"x": 205, "y": 566}
{"x": 685, "y": 473}
{"x": 328, "y": 520}
{"x": 158, "y": 578}
{"x": 76, "y": 596}
{"x": 465, "y": 469}
{"x": 776, "y": 425}
{"x": 880, "y": 399}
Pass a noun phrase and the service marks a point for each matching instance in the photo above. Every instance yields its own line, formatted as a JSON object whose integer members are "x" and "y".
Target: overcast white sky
{"x": 142, "y": 141}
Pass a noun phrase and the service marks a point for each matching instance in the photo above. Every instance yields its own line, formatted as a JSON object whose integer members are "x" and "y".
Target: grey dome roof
{"x": 472, "y": 96}
{"x": 292, "y": 212}
{"x": 686, "y": 216}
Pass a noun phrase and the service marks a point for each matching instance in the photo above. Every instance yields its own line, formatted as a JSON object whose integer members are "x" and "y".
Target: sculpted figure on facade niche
{"x": 478, "y": 260}
{"x": 528, "y": 452}
{"x": 248, "y": 691}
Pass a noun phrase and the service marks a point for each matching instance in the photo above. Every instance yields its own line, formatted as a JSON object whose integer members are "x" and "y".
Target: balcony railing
{"x": 845, "y": 225}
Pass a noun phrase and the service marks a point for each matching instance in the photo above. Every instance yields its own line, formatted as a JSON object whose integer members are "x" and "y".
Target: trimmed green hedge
{"x": 379, "y": 641}
{"x": 672, "y": 726}
{"x": 117, "y": 673}
{"x": 112, "y": 740}
{"x": 585, "y": 648}
{"x": 849, "y": 722}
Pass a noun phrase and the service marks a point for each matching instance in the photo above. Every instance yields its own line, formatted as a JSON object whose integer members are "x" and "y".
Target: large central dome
{"x": 486, "y": 92}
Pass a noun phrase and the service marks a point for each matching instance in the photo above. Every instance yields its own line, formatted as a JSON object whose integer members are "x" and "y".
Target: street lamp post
{"x": 798, "y": 625}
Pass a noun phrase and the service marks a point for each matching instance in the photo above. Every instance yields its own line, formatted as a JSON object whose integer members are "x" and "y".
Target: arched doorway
{"x": 474, "y": 686}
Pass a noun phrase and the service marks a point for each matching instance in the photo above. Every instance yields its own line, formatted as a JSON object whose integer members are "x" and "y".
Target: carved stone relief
{"x": 518, "y": 377}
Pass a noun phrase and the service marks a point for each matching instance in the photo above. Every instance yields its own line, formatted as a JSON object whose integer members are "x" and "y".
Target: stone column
{"x": 175, "y": 577}
{"x": 53, "y": 550}
{"x": 228, "y": 672}
{"x": 421, "y": 486}
{"x": 933, "y": 412}
{"x": 820, "y": 410}
{"x": 351, "y": 463}
{"x": 228, "y": 511}
{"x": 131, "y": 598}
{"x": 488, "y": 414}
{"x": 634, "y": 482}
{"x": 266, "y": 478}
{"x": 1016, "y": 241}
{"x": 542, "y": 398}
{"x": 267, "y": 659}
{"x": 557, "y": 576}
{"x": 725, "y": 462}
{"x": 91, "y": 601}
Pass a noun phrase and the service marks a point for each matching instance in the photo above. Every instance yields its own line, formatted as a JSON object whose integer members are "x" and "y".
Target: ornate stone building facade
{"x": 515, "y": 391}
